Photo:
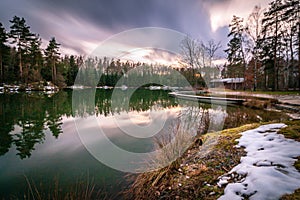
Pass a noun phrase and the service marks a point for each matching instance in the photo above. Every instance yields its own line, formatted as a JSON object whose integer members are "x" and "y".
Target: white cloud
{"x": 221, "y": 13}
{"x": 75, "y": 35}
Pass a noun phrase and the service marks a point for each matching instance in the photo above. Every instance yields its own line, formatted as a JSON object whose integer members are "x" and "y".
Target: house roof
{"x": 228, "y": 80}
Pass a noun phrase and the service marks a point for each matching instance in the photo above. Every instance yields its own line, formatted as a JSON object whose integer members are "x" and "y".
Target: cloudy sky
{"x": 80, "y": 25}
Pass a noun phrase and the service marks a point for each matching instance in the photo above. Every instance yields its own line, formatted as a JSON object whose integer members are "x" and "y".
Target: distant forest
{"x": 263, "y": 49}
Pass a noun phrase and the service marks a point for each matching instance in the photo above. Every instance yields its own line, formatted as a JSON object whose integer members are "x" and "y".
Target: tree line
{"x": 23, "y": 61}
{"x": 264, "y": 49}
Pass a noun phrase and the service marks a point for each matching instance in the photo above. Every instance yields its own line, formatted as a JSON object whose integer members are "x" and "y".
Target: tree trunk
{"x": 255, "y": 73}
{"x": 292, "y": 60}
{"x": 20, "y": 66}
{"x": 1, "y": 69}
{"x": 275, "y": 85}
{"x": 54, "y": 73}
{"x": 298, "y": 51}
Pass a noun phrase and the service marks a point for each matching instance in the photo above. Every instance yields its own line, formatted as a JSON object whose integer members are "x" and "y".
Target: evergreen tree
{"x": 35, "y": 59}
{"x": 72, "y": 71}
{"x": 271, "y": 31}
{"x": 291, "y": 14}
{"x": 21, "y": 35}
{"x": 3, "y": 48}
{"x": 236, "y": 51}
{"x": 52, "y": 57}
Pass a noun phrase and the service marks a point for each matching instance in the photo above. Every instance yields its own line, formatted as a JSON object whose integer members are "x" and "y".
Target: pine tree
{"x": 236, "y": 51}
{"x": 52, "y": 56}
{"x": 72, "y": 71}
{"x": 271, "y": 31}
{"x": 21, "y": 35}
{"x": 35, "y": 59}
{"x": 3, "y": 40}
{"x": 291, "y": 14}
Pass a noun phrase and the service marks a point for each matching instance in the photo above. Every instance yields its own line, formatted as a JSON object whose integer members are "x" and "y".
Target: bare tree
{"x": 253, "y": 29}
{"x": 211, "y": 49}
{"x": 199, "y": 56}
{"x": 192, "y": 54}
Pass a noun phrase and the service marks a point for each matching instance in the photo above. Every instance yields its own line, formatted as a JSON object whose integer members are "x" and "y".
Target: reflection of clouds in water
{"x": 217, "y": 117}
{"x": 140, "y": 124}
{"x": 66, "y": 143}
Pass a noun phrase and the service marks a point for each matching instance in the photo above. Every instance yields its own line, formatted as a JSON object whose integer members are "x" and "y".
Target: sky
{"x": 81, "y": 25}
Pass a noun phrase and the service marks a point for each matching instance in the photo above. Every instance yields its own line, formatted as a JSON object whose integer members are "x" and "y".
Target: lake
{"x": 39, "y": 140}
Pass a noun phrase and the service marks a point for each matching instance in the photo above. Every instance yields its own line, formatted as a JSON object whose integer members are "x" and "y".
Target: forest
{"x": 263, "y": 49}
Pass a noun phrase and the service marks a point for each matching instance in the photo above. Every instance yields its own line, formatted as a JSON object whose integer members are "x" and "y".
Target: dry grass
{"x": 257, "y": 104}
{"x": 170, "y": 147}
{"x": 195, "y": 174}
{"x": 82, "y": 190}
{"x": 292, "y": 131}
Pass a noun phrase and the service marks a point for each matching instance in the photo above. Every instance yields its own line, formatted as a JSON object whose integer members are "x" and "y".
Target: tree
{"x": 72, "y": 70}
{"x": 193, "y": 55}
{"x": 271, "y": 31}
{"x": 253, "y": 29}
{"x": 291, "y": 14}
{"x": 35, "y": 59}
{"x": 21, "y": 35}
{"x": 52, "y": 57}
{"x": 3, "y": 40}
{"x": 236, "y": 53}
{"x": 211, "y": 49}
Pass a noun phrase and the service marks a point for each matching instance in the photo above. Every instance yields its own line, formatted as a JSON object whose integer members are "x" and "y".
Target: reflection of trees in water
{"x": 140, "y": 100}
{"x": 24, "y": 117}
{"x": 237, "y": 116}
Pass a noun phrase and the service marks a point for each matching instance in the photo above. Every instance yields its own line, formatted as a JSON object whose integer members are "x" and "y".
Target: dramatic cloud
{"x": 221, "y": 12}
{"x": 80, "y": 26}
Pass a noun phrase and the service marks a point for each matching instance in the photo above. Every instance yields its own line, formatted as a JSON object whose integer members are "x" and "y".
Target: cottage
{"x": 228, "y": 83}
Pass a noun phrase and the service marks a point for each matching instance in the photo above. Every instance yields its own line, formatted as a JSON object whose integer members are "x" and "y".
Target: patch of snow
{"x": 124, "y": 87}
{"x": 48, "y": 87}
{"x": 155, "y": 87}
{"x": 267, "y": 169}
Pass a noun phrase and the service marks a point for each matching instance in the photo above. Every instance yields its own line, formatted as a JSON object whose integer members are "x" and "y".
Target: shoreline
{"x": 197, "y": 176}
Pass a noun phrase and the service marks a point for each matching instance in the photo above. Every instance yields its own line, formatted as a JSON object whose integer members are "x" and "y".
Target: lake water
{"x": 39, "y": 140}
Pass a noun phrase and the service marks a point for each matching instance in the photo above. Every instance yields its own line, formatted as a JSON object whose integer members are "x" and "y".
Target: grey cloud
{"x": 111, "y": 16}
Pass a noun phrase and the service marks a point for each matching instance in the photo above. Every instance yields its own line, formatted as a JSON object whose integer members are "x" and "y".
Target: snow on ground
{"x": 267, "y": 171}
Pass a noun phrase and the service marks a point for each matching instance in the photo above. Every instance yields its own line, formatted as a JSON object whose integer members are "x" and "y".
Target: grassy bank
{"x": 195, "y": 174}
{"x": 292, "y": 131}
{"x": 267, "y": 92}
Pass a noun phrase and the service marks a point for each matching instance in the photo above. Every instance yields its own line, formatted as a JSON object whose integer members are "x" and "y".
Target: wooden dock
{"x": 208, "y": 99}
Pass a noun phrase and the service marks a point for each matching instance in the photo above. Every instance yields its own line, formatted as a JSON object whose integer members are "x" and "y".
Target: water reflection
{"x": 24, "y": 117}
{"x": 42, "y": 127}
